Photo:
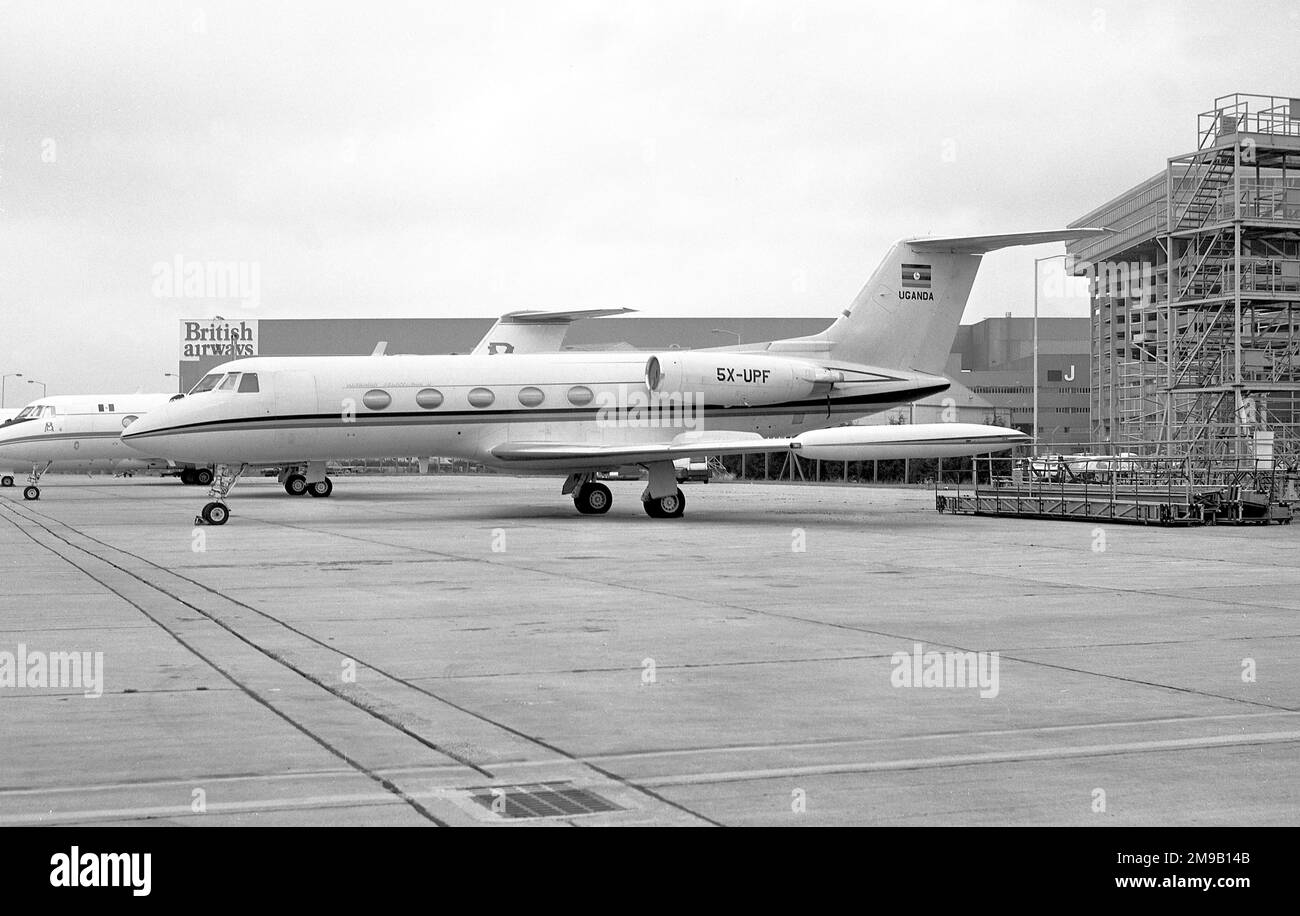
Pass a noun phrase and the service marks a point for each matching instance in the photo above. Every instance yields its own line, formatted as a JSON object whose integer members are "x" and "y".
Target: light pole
{"x": 727, "y": 331}
{"x": 1037, "y": 261}
{"x": 175, "y": 376}
{"x": 7, "y": 375}
{"x": 32, "y": 381}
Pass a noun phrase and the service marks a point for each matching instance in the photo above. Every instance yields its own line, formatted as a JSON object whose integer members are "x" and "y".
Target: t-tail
{"x": 907, "y": 315}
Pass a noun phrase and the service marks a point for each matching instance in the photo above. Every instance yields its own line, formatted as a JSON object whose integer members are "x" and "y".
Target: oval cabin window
{"x": 580, "y": 395}
{"x": 531, "y": 397}
{"x": 376, "y": 399}
{"x": 481, "y": 397}
{"x": 428, "y": 398}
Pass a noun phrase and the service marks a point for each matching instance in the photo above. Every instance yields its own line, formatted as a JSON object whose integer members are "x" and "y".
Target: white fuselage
{"x": 78, "y": 432}
{"x": 319, "y": 408}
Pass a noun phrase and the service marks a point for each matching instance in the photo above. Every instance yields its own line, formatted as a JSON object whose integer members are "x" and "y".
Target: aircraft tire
{"x": 321, "y": 488}
{"x": 202, "y": 476}
{"x": 215, "y": 514}
{"x": 32, "y": 493}
{"x": 187, "y": 476}
{"x": 6, "y": 481}
{"x": 593, "y": 499}
{"x": 295, "y": 485}
{"x": 667, "y": 507}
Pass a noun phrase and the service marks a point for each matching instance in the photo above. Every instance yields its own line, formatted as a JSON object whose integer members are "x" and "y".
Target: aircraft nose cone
{"x": 142, "y": 433}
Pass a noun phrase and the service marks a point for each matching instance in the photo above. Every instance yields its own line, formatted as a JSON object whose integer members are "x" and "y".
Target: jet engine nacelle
{"x": 731, "y": 379}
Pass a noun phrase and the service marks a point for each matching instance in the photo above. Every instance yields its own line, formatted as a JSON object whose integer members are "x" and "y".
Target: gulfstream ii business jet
{"x": 575, "y": 414}
{"x": 83, "y": 432}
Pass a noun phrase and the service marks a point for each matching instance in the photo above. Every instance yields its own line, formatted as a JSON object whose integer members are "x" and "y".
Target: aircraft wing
{"x": 841, "y": 443}
{"x": 579, "y": 455}
{"x": 534, "y": 331}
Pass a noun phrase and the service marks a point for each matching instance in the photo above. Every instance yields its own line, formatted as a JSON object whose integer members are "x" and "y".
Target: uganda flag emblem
{"x": 916, "y": 276}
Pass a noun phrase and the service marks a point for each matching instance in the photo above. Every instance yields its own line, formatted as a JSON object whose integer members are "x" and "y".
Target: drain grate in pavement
{"x": 551, "y": 799}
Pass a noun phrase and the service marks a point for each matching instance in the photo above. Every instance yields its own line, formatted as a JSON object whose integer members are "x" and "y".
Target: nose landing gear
{"x": 32, "y": 491}
{"x": 223, "y": 481}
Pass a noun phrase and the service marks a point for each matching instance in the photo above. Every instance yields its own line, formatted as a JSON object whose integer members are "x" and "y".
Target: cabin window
{"x": 580, "y": 396}
{"x": 481, "y": 397}
{"x": 531, "y": 397}
{"x": 248, "y": 384}
{"x": 228, "y": 383}
{"x": 207, "y": 383}
{"x": 376, "y": 399}
{"x": 428, "y": 398}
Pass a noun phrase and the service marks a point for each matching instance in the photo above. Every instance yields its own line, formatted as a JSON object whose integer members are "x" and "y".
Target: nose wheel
{"x": 215, "y": 514}
{"x": 223, "y": 481}
{"x": 32, "y": 491}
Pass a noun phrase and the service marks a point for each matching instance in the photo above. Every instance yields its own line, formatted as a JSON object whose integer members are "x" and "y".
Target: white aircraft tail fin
{"x": 906, "y": 317}
{"x": 534, "y": 332}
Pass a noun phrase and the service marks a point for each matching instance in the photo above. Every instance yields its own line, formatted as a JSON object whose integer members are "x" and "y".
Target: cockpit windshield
{"x": 207, "y": 383}
{"x": 229, "y": 382}
{"x": 32, "y": 411}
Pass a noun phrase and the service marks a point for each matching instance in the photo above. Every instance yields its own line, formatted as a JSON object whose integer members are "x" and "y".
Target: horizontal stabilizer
{"x": 568, "y": 317}
{"x": 535, "y": 331}
{"x": 979, "y": 244}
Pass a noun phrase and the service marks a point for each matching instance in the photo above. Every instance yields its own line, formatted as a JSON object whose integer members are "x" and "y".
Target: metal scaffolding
{"x": 1195, "y": 298}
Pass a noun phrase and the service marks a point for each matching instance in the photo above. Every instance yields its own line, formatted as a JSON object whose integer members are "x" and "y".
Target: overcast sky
{"x": 439, "y": 159}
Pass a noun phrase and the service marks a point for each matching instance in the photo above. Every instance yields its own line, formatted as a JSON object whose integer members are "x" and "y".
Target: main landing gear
{"x": 592, "y": 498}
{"x": 589, "y": 497}
{"x": 223, "y": 481}
{"x": 32, "y": 491}
{"x": 672, "y": 506}
{"x": 200, "y": 477}
{"x": 298, "y": 481}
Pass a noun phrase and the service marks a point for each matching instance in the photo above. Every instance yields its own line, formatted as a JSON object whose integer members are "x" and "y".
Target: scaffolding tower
{"x": 1196, "y": 349}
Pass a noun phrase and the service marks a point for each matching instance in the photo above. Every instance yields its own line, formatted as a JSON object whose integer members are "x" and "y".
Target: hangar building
{"x": 1195, "y": 338}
